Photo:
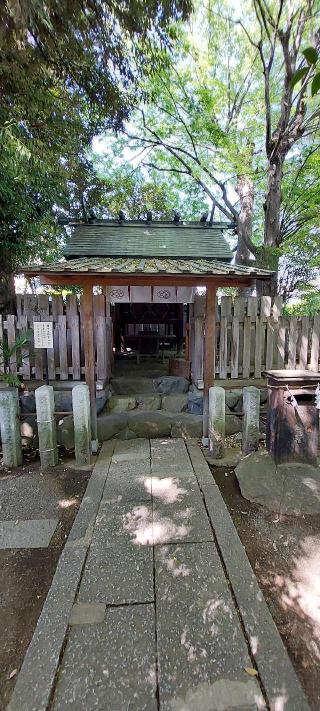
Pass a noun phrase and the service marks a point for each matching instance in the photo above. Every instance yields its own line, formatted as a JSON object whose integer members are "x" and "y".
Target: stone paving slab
{"x": 173, "y": 488}
{"x": 23, "y": 497}
{"x": 183, "y": 521}
{"x": 118, "y": 575}
{"x": 82, "y": 528}
{"x": 127, "y": 487}
{"x": 27, "y": 534}
{"x": 123, "y": 524}
{"x": 170, "y": 455}
{"x": 131, "y": 450}
{"x": 201, "y": 648}
{"x": 207, "y": 627}
{"x": 130, "y": 468}
{"x": 110, "y": 666}
{"x": 87, "y": 613}
{"x": 171, "y": 467}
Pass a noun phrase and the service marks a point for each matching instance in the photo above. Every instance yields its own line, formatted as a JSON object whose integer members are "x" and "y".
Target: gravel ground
{"x": 285, "y": 555}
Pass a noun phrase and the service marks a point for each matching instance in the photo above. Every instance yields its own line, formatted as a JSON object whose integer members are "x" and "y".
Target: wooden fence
{"x": 252, "y": 336}
{"x": 66, "y": 358}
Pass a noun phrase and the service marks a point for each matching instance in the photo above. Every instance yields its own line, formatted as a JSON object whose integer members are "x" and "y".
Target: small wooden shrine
{"x": 149, "y": 269}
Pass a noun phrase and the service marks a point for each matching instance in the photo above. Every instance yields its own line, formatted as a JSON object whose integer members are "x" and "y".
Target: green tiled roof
{"x": 149, "y": 239}
{"x": 108, "y": 265}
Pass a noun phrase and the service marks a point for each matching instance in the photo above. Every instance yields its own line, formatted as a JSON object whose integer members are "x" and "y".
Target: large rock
{"x": 195, "y": 402}
{"x": 230, "y": 459}
{"x": 109, "y": 426}
{"x": 27, "y": 401}
{"x": 233, "y": 424}
{"x": 263, "y": 395}
{"x": 101, "y": 401}
{"x": 187, "y": 426}
{"x": 62, "y": 401}
{"x": 175, "y": 403}
{"x": 121, "y": 403}
{"x": 169, "y": 384}
{"x": 131, "y": 386}
{"x": 112, "y": 425}
{"x": 147, "y": 401}
{"x": 149, "y": 424}
{"x": 65, "y": 432}
{"x": 292, "y": 488}
{"x": 239, "y": 405}
{"x": 232, "y": 398}
{"x": 125, "y": 434}
{"x": 29, "y": 433}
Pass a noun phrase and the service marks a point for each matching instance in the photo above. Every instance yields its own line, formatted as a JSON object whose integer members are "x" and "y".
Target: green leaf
{"x": 298, "y": 75}
{"x": 315, "y": 86}
{"x": 311, "y": 55}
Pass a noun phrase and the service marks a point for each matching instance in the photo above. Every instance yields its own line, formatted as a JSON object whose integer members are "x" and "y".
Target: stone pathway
{"x": 154, "y": 604}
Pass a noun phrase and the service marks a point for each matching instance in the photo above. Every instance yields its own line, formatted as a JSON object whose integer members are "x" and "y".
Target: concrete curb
{"x": 36, "y": 678}
{"x": 281, "y": 684}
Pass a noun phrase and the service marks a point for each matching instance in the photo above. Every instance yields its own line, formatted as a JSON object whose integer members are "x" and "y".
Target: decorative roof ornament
{"x": 176, "y": 216}
{"x": 204, "y": 217}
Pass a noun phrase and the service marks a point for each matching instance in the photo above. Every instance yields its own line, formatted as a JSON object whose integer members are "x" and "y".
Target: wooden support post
{"x": 89, "y": 354}
{"x": 179, "y": 329}
{"x": 209, "y": 353}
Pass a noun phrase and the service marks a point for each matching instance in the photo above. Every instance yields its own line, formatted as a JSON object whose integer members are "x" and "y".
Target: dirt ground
{"x": 26, "y": 574}
{"x": 284, "y": 552}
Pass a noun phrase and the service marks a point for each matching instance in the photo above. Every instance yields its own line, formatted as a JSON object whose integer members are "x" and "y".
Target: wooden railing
{"x": 66, "y": 358}
{"x": 251, "y": 336}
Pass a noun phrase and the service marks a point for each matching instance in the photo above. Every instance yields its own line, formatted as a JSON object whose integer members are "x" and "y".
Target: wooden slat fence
{"x": 66, "y": 358}
{"x": 251, "y": 336}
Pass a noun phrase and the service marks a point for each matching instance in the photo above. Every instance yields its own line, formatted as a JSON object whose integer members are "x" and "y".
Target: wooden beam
{"x": 82, "y": 278}
{"x": 89, "y": 354}
{"x": 209, "y": 352}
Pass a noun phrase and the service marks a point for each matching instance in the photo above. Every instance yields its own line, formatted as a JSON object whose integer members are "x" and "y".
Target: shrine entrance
{"x": 149, "y": 329}
{"x": 151, "y": 323}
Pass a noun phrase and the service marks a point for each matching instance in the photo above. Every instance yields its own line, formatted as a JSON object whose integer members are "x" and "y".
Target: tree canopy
{"x": 215, "y": 107}
{"x": 67, "y": 70}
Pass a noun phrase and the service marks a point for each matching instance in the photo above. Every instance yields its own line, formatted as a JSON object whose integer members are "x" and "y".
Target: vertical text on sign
{"x": 43, "y": 334}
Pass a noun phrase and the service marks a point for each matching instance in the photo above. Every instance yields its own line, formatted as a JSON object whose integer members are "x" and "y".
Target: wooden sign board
{"x": 43, "y": 334}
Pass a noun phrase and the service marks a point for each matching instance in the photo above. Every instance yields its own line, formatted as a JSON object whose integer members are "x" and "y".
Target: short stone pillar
{"x": 217, "y": 421}
{"x": 82, "y": 423}
{"x": 250, "y": 421}
{"x": 10, "y": 427}
{"x": 46, "y": 426}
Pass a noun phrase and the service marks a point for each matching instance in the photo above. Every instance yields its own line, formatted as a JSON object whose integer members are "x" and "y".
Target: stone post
{"x": 82, "y": 424}
{"x": 46, "y": 426}
{"x": 10, "y": 427}
{"x": 250, "y": 420}
{"x": 217, "y": 421}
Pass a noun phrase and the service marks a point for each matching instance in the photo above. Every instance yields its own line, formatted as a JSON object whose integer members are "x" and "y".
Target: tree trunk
{"x": 245, "y": 191}
{"x": 272, "y": 236}
{"x": 8, "y": 302}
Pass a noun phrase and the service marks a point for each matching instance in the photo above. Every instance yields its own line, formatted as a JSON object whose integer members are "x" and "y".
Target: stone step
{"x": 164, "y": 385}
{"x": 148, "y": 401}
{"x": 135, "y": 423}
